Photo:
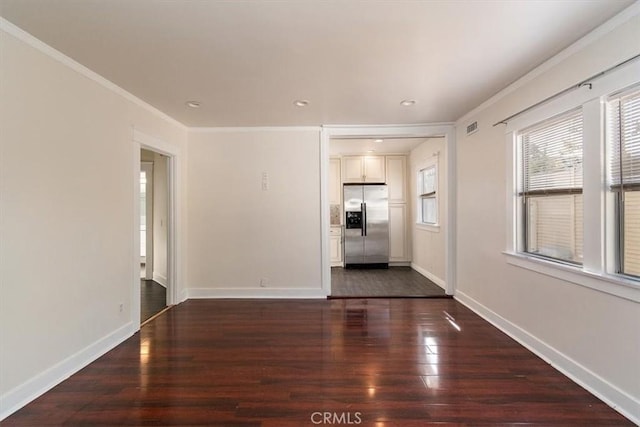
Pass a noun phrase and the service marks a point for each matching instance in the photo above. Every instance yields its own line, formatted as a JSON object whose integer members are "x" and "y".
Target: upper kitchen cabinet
{"x": 397, "y": 178}
{"x": 363, "y": 169}
{"x": 334, "y": 182}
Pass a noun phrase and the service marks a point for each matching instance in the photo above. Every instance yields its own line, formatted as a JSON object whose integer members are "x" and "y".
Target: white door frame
{"x": 148, "y": 267}
{"x": 446, "y": 130}
{"x": 174, "y": 176}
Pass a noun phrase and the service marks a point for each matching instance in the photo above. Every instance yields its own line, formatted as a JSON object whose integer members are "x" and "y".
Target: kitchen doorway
{"x": 410, "y": 167}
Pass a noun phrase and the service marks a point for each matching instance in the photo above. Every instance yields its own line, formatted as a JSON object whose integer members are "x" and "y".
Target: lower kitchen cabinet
{"x": 398, "y": 247}
{"x": 335, "y": 246}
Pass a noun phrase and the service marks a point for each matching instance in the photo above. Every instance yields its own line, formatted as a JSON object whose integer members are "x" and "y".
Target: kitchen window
{"x": 551, "y": 188}
{"x": 623, "y": 147}
{"x": 428, "y": 195}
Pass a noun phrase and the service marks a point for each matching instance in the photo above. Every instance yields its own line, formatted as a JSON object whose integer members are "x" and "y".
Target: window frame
{"x": 617, "y": 192}
{"x": 422, "y": 195}
{"x": 525, "y": 196}
{"x": 598, "y": 270}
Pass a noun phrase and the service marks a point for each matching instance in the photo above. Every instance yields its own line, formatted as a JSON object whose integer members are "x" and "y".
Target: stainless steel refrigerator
{"x": 366, "y": 240}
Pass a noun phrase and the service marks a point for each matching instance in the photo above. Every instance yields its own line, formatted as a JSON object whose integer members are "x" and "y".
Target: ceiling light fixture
{"x": 379, "y": 140}
{"x": 408, "y": 102}
{"x": 193, "y": 104}
{"x": 300, "y": 102}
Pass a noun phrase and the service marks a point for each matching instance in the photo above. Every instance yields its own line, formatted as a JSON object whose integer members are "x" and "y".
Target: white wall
{"x": 238, "y": 233}
{"x": 67, "y": 222}
{"x": 160, "y": 211}
{"x": 428, "y": 243}
{"x": 590, "y": 334}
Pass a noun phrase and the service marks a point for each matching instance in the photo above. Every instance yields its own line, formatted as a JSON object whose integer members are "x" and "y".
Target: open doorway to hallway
{"x": 154, "y": 198}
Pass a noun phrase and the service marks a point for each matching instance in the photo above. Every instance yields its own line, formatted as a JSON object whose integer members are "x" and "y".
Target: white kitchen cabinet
{"x": 335, "y": 246}
{"x": 374, "y": 169}
{"x": 335, "y": 185}
{"x": 397, "y": 178}
{"x": 398, "y": 242}
{"x": 363, "y": 169}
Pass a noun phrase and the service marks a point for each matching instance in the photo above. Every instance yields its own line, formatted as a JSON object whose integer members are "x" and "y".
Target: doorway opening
{"x": 154, "y": 233}
{"x": 409, "y": 169}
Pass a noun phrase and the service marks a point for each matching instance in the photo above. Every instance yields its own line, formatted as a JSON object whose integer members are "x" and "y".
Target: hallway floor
{"x": 153, "y": 298}
{"x": 392, "y": 282}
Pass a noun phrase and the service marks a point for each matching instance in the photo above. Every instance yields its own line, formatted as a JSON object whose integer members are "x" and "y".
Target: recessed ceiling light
{"x": 379, "y": 140}
{"x": 300, "y": 102}
{"x": 408, "y": 102}
{"x": 193, "y": 104}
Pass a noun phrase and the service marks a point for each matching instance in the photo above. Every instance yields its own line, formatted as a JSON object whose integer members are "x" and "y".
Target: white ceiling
{"x": 354, "y": 61}
{"x": 340, "y": 146}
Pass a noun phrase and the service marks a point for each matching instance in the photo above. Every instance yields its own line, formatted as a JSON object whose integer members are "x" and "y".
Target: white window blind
{"x": 623, "y": 131}
{"x": 551, "y": 187}
{"x": 428, "y": 188}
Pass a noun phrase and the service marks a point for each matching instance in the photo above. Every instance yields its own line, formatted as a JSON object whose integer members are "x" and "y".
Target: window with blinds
{"x": 551, "y": 187}
{"x": 427, "y": 189}
{"x": 623, "y": 137}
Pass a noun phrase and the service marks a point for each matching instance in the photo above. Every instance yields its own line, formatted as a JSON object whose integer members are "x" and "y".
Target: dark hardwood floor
{"x": 385, "y": 362}
{"x": 374, "y": 283}
{"x": 153, "y": 298}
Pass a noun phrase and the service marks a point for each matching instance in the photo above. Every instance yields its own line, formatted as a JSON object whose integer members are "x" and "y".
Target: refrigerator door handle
{"x": 364, "y": 219}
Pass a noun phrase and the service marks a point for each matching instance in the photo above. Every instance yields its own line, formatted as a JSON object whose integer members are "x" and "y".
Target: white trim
{"x": 397, "y": 264}
{"x": 594, "y": 220}
{"x": 135, "y": 308}
{"x": 148, "y": 266}
{"x": 155, "y": 144}
{"x": 55, "y": 54}
{"x": 28, "y": 391}
{"x": 160, "y": 279}
{"x": 230, "y": 292}
{"x": 606, "y": 283}
{"x": 424, "y": 130}
{"x": 433, "y": 228}
{"x": 576, "y": 47}
{"x": 182, "y": 296}
{"x": 325, "y": 220}
{"x": 224, "y": 129}
{"x": 619, "y": 400}
{"x": 175, "y": 200}
{"x": 435, "y": 279}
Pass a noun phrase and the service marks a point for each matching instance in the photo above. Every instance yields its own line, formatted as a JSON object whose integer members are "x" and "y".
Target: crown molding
{"x": 574, "y": 48}
{"x": 55, "y": 54}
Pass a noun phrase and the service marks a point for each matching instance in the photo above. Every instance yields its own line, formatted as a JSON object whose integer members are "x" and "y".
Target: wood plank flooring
{"x": 392, "y": 282}
{"x": 385, "y": 362}
{"x": 153, "y": 298}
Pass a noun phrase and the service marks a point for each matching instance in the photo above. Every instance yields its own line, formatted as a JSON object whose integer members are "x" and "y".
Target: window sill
{"x": 434, "y": 228}
{"x": 607, "y": 283}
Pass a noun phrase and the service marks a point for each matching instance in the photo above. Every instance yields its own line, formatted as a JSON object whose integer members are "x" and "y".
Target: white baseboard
{"x": 159, "y": 278}
{"x": 26, "y": 392}
{"x": 182, "y": 296}
{"x": 255, "y": 293}
{"x": 435, "y": 279}
{"x": 399, "y": 263}
{"x": 619, "y": 400}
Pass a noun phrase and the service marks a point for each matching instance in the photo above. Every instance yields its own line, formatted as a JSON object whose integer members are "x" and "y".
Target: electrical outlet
{"x": 264, "y": 282}
{"x": 265, "y": 181}
{"x": 121, "y": 307}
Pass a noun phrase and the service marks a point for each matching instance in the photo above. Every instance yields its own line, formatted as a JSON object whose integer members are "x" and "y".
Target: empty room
{"x": 299, "y": 213}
